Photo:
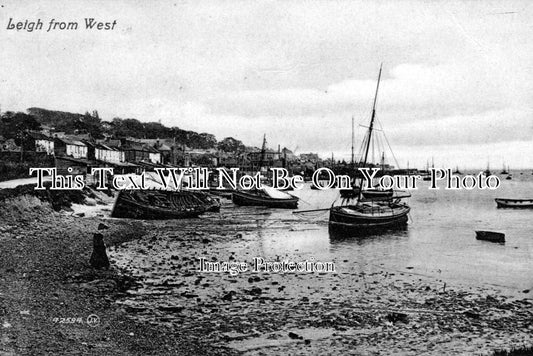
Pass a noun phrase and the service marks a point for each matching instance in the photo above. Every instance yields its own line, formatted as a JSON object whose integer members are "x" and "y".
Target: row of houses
{"x": 129, "y": 152}
{"x": 114, "y": 151}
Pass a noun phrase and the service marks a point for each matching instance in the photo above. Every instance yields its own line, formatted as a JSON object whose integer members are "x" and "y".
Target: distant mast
{"x": 353, "y": 161}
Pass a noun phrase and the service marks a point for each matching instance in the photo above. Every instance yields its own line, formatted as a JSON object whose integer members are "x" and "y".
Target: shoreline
{"x": 48, "y": 290}
{"x": 318, "y": 313}
{"x": 168, "y": 307}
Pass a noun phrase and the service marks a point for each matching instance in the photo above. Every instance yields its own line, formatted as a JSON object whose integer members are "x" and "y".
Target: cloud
{"x": 454, "y": 72}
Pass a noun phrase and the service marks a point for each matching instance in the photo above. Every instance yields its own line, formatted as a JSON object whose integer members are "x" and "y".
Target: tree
{"x": 17, "y": 125}
{"x": 229, "y": 144}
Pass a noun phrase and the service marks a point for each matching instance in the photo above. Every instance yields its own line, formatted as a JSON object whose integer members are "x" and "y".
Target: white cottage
{"x": 43, "y": 143}
{"x": 76, "y": 149}
{"x": 109, "y": 154}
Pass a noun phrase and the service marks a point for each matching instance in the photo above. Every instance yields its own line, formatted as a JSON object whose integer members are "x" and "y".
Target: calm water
{"x": 439, "y": 241}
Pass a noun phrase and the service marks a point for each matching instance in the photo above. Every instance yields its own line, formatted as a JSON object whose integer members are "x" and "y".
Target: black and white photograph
{"x": 266, "y": 177}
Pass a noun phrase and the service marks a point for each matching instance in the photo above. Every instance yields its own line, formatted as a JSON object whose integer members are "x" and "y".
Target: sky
{"x": 456, "y": 85}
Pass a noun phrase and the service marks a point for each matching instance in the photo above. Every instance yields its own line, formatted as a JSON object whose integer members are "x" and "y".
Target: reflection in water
{"x": 439, "y": 240}
{"x": 338, "y": 235}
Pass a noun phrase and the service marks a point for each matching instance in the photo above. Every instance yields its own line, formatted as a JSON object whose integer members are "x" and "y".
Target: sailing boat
{"x": 265, "y": 196}
{"x": 370, "y": 215}
{"x": 457, "y": 171}
{"x": 487, "y": 171}
{"x": 504, "y": 170}
{"x": 351, "y": 193}
{"x": 427, "y": 176}
{"x": 378, "y": 192}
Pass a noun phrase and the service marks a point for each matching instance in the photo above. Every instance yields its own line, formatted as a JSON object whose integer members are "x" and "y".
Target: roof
{"x": 150, "y": 149}
{"x": 164, "y": 147}
{"x": 136, "y": 146}
{"x": 101, "y": 146}
{"x": 71, "y": 142}
{"x": 132, "y": 146}
{"x": 88, "y": 143}
{"x": 39, "y": 136}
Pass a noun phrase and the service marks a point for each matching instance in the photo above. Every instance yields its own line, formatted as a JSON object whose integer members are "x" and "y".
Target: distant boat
{"x": 487, "y": 171}
{"x": 162, "y": 204}
{"x": 504, "y": 170}
{"x": 457, "y": 171}
{"x": 491, "y": 236}
{"x": 509, "y": 177}
{"x": 267, "y": 197}
{"x": 427, "y": 175}
{"x": 377, "y": 193}
{"x": 369, "y": 216}
{"x": 514, "y": 203}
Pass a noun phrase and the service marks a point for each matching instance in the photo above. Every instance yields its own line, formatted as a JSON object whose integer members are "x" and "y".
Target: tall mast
{"x": 371, "y": 127}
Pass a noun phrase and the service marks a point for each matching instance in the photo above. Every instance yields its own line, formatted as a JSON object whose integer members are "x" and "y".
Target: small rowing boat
{"x": 514, "y": 203}
{"x": 491, "y": 236}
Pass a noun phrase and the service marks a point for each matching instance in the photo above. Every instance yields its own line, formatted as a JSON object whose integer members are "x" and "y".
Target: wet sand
{"x": 169, "y": 307}
{"x": 357, "y": 310}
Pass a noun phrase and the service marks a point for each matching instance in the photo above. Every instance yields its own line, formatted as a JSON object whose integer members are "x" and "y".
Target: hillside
{"x": 91, "y": 123}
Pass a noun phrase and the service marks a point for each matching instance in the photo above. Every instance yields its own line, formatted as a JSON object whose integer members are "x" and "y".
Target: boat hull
{"x": 248, "y": 199}
{"x": 363, "y": 223}
{"x": 514, "y": 203}
{"x": 377, "y": 193}
{"x": 491, "y": 236}
{"x": 160, "y": 205}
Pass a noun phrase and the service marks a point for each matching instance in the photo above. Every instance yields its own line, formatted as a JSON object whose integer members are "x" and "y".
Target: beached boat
{"x": 377, "y": 193}
{"x": 514, "y": 203}
{"x": 385, "y": 211}
{"x": 491, "y": 236}
{"x": 161, "y": 204}
{"x": 266, "y": 196}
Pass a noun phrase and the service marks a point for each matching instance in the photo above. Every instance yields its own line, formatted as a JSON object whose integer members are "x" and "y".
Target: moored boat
{"x": 377, "y": 193}
{"x": 160, "y": 204}
{"x": 514, "y": 203}
{"x": 487, "y": 171}
{"x": 266, "y": 196}
{"x": 369, "y": 217}
{"x": 374, "y": 211}
{"x": 457, "y": 171}
{"x": 491, "y": 236}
